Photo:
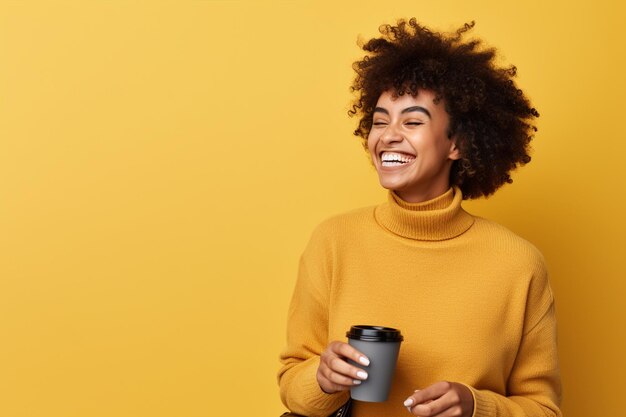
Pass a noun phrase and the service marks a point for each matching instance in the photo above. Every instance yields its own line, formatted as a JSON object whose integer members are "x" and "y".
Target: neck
{"x": 418, "y": 195}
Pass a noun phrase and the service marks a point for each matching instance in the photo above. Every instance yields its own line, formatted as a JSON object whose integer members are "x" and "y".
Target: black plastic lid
{"x": 374, "y": 334}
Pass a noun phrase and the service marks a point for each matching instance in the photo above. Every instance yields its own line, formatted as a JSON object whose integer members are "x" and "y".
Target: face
{"x": 409, "y": 145}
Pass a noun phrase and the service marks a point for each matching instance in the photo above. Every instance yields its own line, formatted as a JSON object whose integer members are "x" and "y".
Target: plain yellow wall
{"x": 162, "y": 165}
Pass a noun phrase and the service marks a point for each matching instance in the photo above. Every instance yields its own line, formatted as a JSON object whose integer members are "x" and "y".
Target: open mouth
{"x": 394, "y": 159}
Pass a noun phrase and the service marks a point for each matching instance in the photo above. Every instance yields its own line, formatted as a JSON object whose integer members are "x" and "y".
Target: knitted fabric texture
{"x": 471, "y": 298}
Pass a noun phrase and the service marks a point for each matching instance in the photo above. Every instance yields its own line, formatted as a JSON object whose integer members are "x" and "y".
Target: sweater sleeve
{"x": 534, "y": 386}
{"x": 307, "y": 336}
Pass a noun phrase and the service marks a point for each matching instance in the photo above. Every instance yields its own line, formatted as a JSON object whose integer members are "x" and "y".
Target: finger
{"x": 334, "y": 368}
{"x": 343, "y": 380}
{"x": 348, "y": 351}
{"x": 331, "y": 382}
{"x": 438, "y": 407}
{"x": 432, "y": 392}
{"x": 455, "y": 411}
{"x": 339, "y": 383}
{"x": 340, "y": 366}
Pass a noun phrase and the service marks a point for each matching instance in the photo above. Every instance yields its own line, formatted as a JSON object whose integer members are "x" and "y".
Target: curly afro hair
{"x": 490, "y": 117}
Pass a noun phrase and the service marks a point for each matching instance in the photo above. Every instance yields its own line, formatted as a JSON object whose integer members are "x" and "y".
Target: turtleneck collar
{"x": 438, "y": 219}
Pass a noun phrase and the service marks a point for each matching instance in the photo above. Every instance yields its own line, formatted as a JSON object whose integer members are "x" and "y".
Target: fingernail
{"x": 408, "y": 402}
{"x": 356, "y": 382}
{"x": 362, "y": 374}
{"x": 364, "y": 360}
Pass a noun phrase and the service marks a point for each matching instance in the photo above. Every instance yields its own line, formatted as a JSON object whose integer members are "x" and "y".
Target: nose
{"x": 391, "y": 134}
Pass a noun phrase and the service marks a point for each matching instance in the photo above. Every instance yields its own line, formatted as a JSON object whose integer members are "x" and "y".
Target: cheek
{"x": 371, "y": 150}
{"x": 371, "y": 143}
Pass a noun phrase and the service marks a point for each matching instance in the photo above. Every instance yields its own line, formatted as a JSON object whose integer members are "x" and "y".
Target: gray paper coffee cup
{"x": 381, "y": 345}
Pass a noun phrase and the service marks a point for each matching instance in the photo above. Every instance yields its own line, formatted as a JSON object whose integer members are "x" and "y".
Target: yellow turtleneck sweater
{"x": 471, "y": 298}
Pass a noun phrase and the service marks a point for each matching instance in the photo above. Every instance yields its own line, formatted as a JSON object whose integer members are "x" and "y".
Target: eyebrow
{"x": 407, "y": 110}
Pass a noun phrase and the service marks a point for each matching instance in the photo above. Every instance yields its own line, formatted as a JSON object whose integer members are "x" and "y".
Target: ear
{"x": 455, "y": 152}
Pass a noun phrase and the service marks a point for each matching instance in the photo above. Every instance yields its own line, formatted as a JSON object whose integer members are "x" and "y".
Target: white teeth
{"x": 394, "y": 159}
{"x": 392, "y": 164}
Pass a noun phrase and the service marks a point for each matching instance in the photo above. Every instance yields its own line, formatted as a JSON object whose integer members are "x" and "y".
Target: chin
{"x": 391, "y": 186}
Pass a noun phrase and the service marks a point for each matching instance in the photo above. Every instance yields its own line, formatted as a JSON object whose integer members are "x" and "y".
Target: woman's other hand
{"x": 334, "y": 373}
{"x": 442, "y": 399}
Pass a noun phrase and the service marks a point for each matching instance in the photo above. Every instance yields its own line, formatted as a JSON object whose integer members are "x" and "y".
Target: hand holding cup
{"x": 335, "y": 373}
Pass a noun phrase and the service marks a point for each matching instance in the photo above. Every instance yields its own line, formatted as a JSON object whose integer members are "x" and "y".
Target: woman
{"x": 442, "y": 123}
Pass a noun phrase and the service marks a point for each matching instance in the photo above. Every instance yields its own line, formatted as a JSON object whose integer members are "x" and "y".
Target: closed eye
{"x": 414, "y": 123}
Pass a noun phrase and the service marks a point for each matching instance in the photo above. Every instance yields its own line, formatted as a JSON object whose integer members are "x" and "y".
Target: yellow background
{"x": 162, "y": 165}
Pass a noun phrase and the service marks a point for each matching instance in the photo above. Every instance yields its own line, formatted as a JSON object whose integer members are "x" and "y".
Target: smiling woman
{"x": 489, "y": 117}
{"x": 442, "y": 123}
{"x": 409, "y": 145}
